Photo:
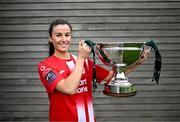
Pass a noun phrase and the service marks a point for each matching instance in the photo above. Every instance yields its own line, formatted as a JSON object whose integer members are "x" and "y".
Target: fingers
{"x": 81, "y": 43}
{"x": 85, "y": 46}
{"x": 84, "y": 49}
{"x": 147, "y": 49}
{"x": 145, "y": 55}
{"x": 146, "y": 52}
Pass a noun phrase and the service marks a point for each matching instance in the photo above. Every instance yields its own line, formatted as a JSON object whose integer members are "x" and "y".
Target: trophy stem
{"x": 120, "y": 85}
{"x": 120, "y": 73}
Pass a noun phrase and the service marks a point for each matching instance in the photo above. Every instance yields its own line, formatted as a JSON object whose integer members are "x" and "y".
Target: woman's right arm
{"x": 71, "y": 83}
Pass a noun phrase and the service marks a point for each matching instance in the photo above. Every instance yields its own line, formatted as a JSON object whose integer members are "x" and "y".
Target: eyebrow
{"x": 61, "y": 33}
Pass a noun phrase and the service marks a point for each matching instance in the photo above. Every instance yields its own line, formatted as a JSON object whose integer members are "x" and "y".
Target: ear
{"x": 50, "y": 40}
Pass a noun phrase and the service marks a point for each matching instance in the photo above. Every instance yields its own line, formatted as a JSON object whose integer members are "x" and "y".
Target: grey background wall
{"x": 23, "y": 43}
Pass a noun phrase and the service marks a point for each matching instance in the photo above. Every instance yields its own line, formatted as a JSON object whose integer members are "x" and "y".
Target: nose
{"x": 63, "y": 38}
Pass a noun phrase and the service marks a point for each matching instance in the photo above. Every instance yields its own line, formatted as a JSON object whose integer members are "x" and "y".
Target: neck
{"x": 62, "y": 55}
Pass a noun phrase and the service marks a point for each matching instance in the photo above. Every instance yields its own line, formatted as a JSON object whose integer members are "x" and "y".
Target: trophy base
{"x": 119, "y": 91}
{"x": 119, "y": 94}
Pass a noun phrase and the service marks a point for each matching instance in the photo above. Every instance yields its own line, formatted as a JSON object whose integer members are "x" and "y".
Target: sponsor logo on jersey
{"x": 82, "y": 87}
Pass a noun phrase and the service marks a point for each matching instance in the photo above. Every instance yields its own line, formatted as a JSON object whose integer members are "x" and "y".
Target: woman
{"x": 67, "y": 78}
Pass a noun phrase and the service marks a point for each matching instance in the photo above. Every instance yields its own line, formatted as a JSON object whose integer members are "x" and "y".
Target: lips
{"x": 63, "y": 44}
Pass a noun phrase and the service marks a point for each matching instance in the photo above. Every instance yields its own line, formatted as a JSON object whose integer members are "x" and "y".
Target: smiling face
{"x": 61, "y": 38}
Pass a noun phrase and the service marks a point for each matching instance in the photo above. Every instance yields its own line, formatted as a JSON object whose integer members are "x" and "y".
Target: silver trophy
{"x": 120, "y": 56}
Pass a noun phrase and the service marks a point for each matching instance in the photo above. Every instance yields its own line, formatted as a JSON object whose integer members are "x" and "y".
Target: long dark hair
{"x": 55, "y": 23}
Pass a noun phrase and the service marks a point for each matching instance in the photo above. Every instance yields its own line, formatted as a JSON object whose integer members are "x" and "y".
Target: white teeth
{"x": 63, "y": 44}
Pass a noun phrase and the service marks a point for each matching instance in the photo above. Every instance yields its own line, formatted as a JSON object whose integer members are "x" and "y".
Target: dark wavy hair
{"x": 52, "y": 25}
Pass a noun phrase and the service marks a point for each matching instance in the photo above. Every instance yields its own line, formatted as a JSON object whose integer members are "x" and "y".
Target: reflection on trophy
{"x": 120, "y": 56}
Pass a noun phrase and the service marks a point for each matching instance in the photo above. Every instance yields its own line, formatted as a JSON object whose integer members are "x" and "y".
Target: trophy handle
{"x": 103, "y": 56}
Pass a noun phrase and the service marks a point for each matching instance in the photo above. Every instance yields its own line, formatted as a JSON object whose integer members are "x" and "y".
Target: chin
{"x": 63, "y": 50}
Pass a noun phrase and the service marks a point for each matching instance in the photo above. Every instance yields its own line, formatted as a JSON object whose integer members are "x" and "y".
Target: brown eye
{"x": 68, "y": 34}
{"x": 58, "y": 34}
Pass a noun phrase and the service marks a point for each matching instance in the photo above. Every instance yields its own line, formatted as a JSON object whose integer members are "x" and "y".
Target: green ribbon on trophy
{"x": 104, "y": 58}
{"x": 158, "y": 60}
{"x": 92, "y": 46}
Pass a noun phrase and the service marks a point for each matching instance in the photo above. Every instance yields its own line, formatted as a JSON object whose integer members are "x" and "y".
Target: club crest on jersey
{"x": 42, "y": 68}
{"x": 50, "y": 76}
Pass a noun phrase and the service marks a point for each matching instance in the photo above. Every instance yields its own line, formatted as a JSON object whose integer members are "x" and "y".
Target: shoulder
{"x": 45, "y": 62}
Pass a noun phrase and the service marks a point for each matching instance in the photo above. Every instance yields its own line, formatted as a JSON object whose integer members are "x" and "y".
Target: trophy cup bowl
{"x": 120, "y": 56}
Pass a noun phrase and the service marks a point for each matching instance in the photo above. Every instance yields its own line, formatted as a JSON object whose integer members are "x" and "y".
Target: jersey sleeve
{"x": 49, "y": 76}
{"x": 101, "y": 73}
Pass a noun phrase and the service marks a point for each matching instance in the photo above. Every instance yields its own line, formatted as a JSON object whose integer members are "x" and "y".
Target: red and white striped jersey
{"x": 63, "y": 107}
